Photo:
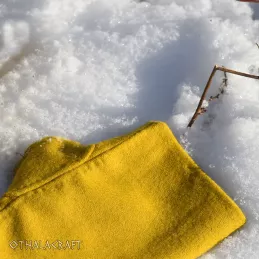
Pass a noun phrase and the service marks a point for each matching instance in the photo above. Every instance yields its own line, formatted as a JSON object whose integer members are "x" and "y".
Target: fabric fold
{"x": 139, "y": 195}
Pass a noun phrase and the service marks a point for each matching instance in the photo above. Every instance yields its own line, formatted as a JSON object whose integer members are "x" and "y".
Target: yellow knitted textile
{"x": 135, "y": 196}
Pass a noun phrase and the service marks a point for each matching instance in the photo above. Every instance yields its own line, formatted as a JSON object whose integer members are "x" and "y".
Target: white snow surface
{"x": 89, "y": 70}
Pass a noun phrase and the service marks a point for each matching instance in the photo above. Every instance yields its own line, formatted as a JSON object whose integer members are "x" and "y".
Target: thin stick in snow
{"x": 200, "y": 109}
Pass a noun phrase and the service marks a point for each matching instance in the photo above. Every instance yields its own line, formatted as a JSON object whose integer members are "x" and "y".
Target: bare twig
{"x": 196, "y": 114}
{"x": 225, "y": 81}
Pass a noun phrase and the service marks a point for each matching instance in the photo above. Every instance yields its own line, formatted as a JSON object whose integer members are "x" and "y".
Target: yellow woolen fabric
{"x": 135, "y": 196}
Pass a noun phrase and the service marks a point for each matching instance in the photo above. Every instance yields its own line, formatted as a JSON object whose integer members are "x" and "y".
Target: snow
{"x": 89, "y": 70}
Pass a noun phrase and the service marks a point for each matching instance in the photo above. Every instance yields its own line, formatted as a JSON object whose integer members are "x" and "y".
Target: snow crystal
{"x": 93, "y": 69}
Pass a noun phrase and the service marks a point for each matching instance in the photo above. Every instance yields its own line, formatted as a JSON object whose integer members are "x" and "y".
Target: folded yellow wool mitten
{"x": 135, "y": 196}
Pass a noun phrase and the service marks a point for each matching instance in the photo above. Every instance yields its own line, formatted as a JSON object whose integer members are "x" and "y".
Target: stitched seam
{"x": 78, "y": 163}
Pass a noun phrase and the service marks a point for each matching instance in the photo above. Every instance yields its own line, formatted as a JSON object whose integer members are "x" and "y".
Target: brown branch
{"x": 225, "y": 70}
{"x": 237, "y": 73}
{"x": 196, "y": 114}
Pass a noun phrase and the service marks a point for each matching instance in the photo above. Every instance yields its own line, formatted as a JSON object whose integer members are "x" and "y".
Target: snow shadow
{"x": 255, "y": 7}
{"x": 161, "y": 75}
